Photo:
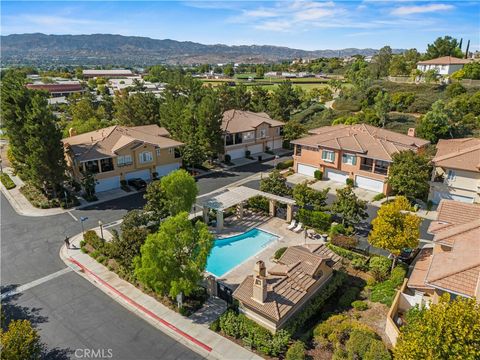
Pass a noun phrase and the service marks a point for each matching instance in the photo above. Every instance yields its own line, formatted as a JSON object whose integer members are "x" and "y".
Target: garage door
{"x": 236, "y": 154}
{"x": 306, "y": 170}
{"x": 337, "y": 176}
{"x": 142, "y": 174}
{"x": 369, "y": 184}
{"x": 163, "y": 170}
{"x": 438, "y": 196}
{"x": 276, "y": 144}
{"x": 107, "y": 184}
{"x": 254, "y": 149}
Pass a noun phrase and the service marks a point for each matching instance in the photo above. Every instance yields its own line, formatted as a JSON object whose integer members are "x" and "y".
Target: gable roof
{"x": 235, "y": 121}
{"x": 462, "y": 154}
{"x": 288, "y": 282}
{"x": 363, "y": 139}
{"x": 107, "y": 141}
{"x": 457, "y": 270}
{"x": 445, "y": 60}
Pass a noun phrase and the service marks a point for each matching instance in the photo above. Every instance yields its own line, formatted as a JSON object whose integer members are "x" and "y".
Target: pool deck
{"x": 273, "y": 225}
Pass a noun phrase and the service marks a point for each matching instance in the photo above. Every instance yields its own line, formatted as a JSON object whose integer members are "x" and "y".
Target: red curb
{"x": 142, "y": 308}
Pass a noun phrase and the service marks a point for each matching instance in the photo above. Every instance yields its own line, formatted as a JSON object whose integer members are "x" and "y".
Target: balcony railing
{"x": 366, "y": 167}
{"x": 381, "y": 170}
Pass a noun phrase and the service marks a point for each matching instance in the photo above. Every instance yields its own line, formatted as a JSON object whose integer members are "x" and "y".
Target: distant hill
{"x": 103, "y": 49}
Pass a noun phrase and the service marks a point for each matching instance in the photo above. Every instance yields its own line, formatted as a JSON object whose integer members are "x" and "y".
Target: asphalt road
{"x": 71, "y": 313}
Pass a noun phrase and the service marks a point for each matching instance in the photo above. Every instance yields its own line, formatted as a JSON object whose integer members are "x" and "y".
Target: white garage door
{"x": 142, "y": 174}
{"x": 337, "y": 176}
{"x": 107, "y": 184}
{"x": 163, "y": 170}
{"x": 255, "y": 149}
{"x": 236, "y": 154}
{"x": 369, "y": 184}
{"x": 438, "y": 196}
{"x": 275, "y": 144}
{"x": 306, "y": 170}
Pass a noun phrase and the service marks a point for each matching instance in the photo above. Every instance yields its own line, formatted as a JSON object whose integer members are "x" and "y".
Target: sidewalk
{"x": 191, "y": 332}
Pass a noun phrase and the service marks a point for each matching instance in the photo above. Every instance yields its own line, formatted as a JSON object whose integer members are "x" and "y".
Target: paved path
{"x": 190, "y": 332}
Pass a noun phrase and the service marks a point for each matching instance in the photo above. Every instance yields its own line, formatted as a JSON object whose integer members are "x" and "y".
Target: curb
{"x": 140, "y": 307}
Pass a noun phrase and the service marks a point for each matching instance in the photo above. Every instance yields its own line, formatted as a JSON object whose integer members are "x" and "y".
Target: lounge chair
{"x": 298, "y": 228}
{"x": 292, "y": 225}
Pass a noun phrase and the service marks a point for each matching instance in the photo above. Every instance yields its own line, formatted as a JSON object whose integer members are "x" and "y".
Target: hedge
{"x": 313, "y": 306}
{"x": 350, "y": 255}
{"x": 252, "y": 334}
{"x": 344, "y": 241}
{"x": 284, "y": 164}
{"x": 7, "y": 181}
{"x": 258, "y": 203}
{"x": 316, "y": 219}
{"x": 91, "y": 238}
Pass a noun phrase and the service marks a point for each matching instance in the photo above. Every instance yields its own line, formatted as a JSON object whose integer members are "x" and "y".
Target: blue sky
{"x": 299, "y": 24}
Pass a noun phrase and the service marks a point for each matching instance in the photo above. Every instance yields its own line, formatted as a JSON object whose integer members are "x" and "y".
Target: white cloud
{"x": 420, "y": 9}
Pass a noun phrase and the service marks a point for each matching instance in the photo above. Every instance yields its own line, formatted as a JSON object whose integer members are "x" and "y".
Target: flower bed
{"x": 37, "y": 198}
{"x": 7, "y": 181}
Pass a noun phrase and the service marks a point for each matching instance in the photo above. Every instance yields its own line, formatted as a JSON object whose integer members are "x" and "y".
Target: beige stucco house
{"x": 456, "y": 172}
{"x": 272, "y": 297}
{"x": 445, "y": 65}
{"x": 360, "y": 152}
{"x": 249, "y": 131}
{"x": 120, "y": 153}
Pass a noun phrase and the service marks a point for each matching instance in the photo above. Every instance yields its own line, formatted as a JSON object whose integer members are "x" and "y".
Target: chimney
{"x": 411, "y": 132}
{"x": 72, "y": 132}
{"x": 259, "y": 283}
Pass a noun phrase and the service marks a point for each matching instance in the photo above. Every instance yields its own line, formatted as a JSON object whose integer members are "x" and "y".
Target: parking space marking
{"x": 73, "y": 216}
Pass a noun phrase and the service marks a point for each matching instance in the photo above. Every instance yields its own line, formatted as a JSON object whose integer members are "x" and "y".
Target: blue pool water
{"x": 232, "y": 251}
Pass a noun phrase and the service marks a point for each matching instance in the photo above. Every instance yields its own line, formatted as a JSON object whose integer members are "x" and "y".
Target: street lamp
{"x": 82, "y": 219}
{"x": 100, "y": 223}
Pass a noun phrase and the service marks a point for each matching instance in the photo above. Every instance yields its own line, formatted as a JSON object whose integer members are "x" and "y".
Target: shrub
{"x": 296, "y": 351}
{"x": 347, "y": 254}
{"x": 284, "y": 164}
{"x": 37, "y": 198}
{"x": 380, "y": 267}
{"x": 278, "y": 254}
{"x": 101, "y": 259}
{"x": 385, "y": 291}
{"x": 83, "y": 250}
{"x": 228, "y": 159}
{"x": 348, "y": 297}
{"x": 318, "y": 174}
{"x": 95, "y": 254}
{"x": 347, "y": 242}
{"x": 346, "y": 104}
{"x": 253, "y": 335}
{"x": 247, "y": 153}
{"x": 316, "y": 219}
{"x": 360, "y": 305}
{"x": 82, "y": 243}
{"x": 215, "y": 326}
{"x": 7, "y": 181}
{"x": 91, "y": 238}
{"x": 379, "y": 197}
{"x": 314, "y": 305}
{"x": 359, "y": 264}
{"x": 402, "y": 100}
{"x": 349, "y": 182}
{"x": 377, "y": 351}
{"x": 336, "y": 229}
{"x": 258, "y": 203}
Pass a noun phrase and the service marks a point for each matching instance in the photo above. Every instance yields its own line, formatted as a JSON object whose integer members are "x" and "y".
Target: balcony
{"x": 366, "y": 167}
{"x": 381, "y": 170}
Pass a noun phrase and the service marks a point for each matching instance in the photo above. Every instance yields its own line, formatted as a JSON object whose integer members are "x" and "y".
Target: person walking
{"x": 67, "y": 242}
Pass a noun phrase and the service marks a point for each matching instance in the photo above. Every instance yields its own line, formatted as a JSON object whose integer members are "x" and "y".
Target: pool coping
{"x": 278, "y": 238}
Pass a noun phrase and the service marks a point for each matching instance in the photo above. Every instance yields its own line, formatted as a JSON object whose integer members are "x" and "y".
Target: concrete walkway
{"x": 193, "y": 332}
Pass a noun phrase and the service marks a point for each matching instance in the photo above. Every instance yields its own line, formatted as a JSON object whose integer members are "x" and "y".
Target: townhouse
{"x": 445, "y": 65}
{"x": 247, "y": 131}
{"x": 359, "y": 152}
{"x": 120, "y": 153}
{"x": 456, "y": 173}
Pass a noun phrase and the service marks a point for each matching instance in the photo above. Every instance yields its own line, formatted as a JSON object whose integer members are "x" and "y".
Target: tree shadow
{"x": 13, "y": 311}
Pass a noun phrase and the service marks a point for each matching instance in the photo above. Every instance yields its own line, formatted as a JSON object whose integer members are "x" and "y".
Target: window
{"x": 145, "y": 157}
{"x": 366, "y": 164}
{"x": 298, "y": 150}
{"x": 124, "y": 160}
{"x": 349, "y": 159}
{"x": 157, "y": 151}
{"x": 381, "y": 167}
{"x": 228, "y": 139}
{"x": 106, "y": 164}
{"x": 177, "y": 153}
{"x": 277, "y": 131}
{"x": 451, "y": 175}
{"x": 171, "y": 150}
{"x": 248, "y": 135}
{"x": 92, "y": 166}
{"x": 238, "y": 138}
{"x": 262, "y": 133}
{"x": 328, "y": 156}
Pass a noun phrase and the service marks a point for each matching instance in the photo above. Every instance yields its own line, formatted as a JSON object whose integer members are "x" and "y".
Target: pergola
{"x": 237, "y": 196}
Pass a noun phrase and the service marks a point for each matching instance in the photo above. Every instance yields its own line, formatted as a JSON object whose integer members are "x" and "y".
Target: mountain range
{"x": 108, "y": 49}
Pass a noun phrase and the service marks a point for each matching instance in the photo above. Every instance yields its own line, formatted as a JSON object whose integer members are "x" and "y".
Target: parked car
{"x": 137, "y": 183}
{"x": 408, "y": 255}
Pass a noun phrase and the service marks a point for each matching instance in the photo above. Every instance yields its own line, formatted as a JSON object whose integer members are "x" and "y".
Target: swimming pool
{"x": 232, "y": 251}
